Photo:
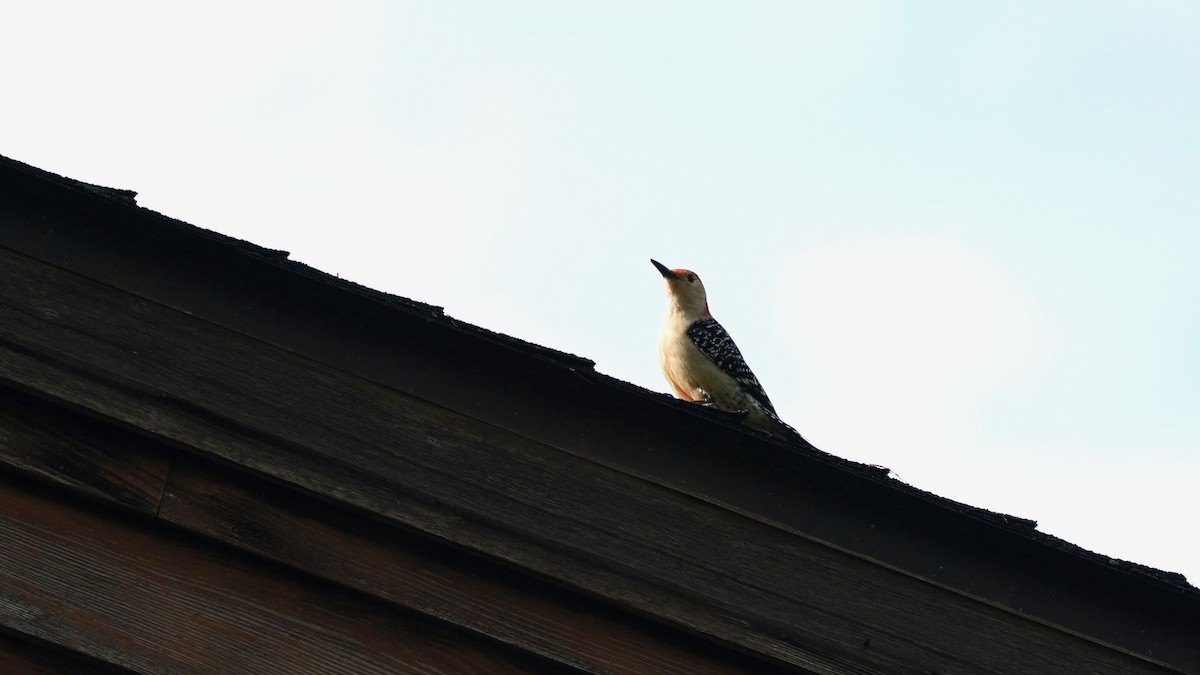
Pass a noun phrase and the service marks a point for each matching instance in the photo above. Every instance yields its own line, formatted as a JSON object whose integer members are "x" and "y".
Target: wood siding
{"x": 663, "y": 571}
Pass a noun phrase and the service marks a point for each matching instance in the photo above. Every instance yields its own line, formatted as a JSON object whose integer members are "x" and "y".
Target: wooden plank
{"x": 146, "y": 599}
{"x": 689, "y": 563}
{"x": 394, "y": 565}
{"x": 168, "y": 390}
{"x": 75, "y": 451}
{"x": 23, "y": 657}
{"x": 255, "y": 292}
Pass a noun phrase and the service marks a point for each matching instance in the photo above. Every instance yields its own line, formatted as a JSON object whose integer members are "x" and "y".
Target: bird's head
{"x": 685, "y": 291}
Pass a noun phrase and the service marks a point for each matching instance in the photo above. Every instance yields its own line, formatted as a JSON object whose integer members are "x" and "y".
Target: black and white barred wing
{"x": 714, "y": 342}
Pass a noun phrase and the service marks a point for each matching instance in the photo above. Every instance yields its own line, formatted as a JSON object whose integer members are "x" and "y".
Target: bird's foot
{"x": 734, "y": 416}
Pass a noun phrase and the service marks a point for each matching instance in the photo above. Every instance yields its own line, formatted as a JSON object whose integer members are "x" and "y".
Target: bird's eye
{"x": 691, "y": 278}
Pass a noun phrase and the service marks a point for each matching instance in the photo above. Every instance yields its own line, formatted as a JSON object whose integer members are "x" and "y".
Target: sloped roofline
{"x": 737, "y": 482}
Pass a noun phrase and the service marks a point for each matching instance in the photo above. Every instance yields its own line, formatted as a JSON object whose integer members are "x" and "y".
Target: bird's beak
{"x": 662, "y": 269}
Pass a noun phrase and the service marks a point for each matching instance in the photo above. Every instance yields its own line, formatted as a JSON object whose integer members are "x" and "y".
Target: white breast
{"x": 691, "y": 374}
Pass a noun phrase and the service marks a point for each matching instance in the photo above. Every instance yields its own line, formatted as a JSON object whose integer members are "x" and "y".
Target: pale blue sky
{"x": 957, "y": 239}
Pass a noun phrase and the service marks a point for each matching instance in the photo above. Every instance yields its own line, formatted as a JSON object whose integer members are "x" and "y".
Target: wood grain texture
{"x": 70, "y": 449}
{"x": 686, "y": 562}
{"x": 559, "y": 400}
{"x": 434, "y": 579}
{"x": 22, "y": 657}
{"x": 151, "y": 602}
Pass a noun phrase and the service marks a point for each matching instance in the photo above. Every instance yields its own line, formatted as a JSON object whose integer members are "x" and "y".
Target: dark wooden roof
{"x": 212, "y": 456}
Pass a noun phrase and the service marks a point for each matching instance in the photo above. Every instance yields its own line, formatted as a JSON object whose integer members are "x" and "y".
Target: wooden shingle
{"x": 214, "y": 458}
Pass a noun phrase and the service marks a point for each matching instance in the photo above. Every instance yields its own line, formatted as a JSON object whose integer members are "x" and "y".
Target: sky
{"x": 955, "y": 239}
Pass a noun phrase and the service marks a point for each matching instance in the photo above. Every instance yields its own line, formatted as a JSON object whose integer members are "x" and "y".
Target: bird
{"x": 702, "y": 364}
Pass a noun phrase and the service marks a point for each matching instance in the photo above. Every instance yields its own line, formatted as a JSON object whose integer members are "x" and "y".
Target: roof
{"x": 273, "y": 371}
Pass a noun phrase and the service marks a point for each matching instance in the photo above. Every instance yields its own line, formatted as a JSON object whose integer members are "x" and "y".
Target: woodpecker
{"x": 701, "y": 362}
